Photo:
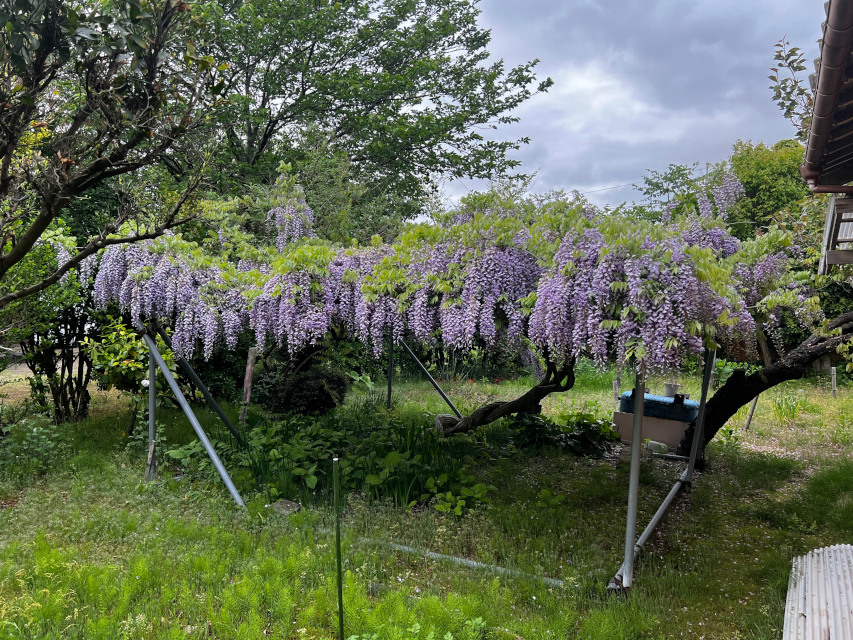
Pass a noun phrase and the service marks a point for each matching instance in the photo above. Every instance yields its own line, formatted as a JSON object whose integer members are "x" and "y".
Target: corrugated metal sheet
{"x": 820, "y": 595}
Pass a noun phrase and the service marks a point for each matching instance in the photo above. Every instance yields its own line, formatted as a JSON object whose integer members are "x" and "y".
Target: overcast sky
{"x": 639, "y": 84}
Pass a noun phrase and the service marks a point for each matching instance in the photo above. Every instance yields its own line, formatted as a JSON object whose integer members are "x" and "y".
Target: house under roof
{"x": 828, "y": 163}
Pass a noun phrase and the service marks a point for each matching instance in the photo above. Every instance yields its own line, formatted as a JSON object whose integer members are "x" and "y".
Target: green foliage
{"x": 395, "y": 91}
{"x": 68, "y": 106}
{"x": 120, "y": 358}
{"x": 679, "y": 181}
{"x": 31, "y": 445}
{"x": 316, "y": 390}
{"x": 548, "y": 501}
{"x": 382, "y": 455}
{"x": 582, "y": 434}
{"x": 789, "y": 90}
{"x": 771, "y": 180}
{"x": 223, "y": 373}
{"x": 723, "y": 369}
{"x": 501, "y": 361}
{"x": 440, "y": 494}
{"x": 786, "y": 405}
{"x": 51, "y": 326}
{"x": 346, "y": 207}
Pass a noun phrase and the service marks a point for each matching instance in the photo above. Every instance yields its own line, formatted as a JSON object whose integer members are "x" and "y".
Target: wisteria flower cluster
{"x": 484, "y": 276}
{"x": 651, "y": 304}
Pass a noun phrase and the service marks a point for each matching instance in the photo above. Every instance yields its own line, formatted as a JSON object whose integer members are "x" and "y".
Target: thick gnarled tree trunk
{"x": 556, "y": 380}
{"x": 740, "y": 388}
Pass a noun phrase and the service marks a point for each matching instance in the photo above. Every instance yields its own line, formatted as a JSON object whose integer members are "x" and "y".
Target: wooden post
{"x": 834, "y": 383}
{"x": 247, "y": 385}
{"x": 616, "y": 392}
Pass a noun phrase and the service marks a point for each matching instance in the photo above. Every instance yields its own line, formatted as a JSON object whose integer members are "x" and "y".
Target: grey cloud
{"x": 643, "y": 83}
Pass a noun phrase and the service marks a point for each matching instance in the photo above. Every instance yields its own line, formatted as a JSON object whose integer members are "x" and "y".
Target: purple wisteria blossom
{"x": 472, "y": 281}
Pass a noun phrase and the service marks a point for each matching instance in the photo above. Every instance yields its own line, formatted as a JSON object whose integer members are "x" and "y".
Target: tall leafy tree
{"x": 92, "y": 91}
{"x": 404, "y": 88}
{"x": 770, "y": 176}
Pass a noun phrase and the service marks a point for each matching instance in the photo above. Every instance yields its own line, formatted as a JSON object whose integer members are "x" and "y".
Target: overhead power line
{"x": 618, "y": 186}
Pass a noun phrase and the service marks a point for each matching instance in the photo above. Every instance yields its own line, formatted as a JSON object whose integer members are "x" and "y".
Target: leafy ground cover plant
{"x": 386, "y": 455}
{"x": 290, "y": 456}
{"x": 579, "y": 433}
{"x": 31, "y": 444}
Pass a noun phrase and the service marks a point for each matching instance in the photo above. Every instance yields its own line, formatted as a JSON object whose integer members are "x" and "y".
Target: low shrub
{"x": 31, "y": 445}
{"x": 583, "y": 434}
{"x": 381, "y": 454}
{"x": 316, "y": 390}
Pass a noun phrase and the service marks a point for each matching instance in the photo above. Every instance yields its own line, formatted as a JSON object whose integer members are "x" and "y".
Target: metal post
{"x": 208, "y": 397}
{"x": 202, "y": 436}
{"x": 751, "y": 413}
{"x": 151, "y": 466}
{"x": 336, "y": 482}
{"x": 624, "y": 577}
{"x": 699, "y": 433}
{"x": 431, "y": 379}
{"x": 634, "y": 478}
{"x": 390, "y": 367}
{"x": 834, "y": 382}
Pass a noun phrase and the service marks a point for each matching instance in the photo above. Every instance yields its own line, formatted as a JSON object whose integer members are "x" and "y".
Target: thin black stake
{"x": 431, "y": 379}
{"x": 390, "y": 367}
{"x": 337, "y": 499}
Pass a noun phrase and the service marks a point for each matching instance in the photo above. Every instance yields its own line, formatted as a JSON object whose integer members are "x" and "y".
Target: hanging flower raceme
{"x": 153, "y": 281}
{"x": 291, "y": 222}
{"x": 652, "y": 304}
{"x": 479, "y": 279}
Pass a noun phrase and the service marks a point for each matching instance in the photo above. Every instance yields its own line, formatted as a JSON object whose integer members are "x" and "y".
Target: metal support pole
{"x": 624, "y": 577}
{"x": 834, "y": 382}
{"x": 699, "y": 432}
{"x": 751, "y": 413}
{"x": 202, "y": 436}
{"x": 336, "y": 482}
{"x": 151, "y": 466}
{"x": 390, "y": 367}
{"x": 208, "y": 397}
{"x": 634, "y": 478}
{"x": 431, "y": 379}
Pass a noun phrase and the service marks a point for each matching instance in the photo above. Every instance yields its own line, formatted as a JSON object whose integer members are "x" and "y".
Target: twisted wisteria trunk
{"x": 740, "y": 388}
{"x": 556, "y": 380}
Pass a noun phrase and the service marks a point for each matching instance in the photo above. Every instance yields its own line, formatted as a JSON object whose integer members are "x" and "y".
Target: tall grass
{"x": 786, "y": 405}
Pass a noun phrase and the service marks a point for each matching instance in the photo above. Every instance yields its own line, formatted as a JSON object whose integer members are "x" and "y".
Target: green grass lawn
{"x": 87, "y": 550}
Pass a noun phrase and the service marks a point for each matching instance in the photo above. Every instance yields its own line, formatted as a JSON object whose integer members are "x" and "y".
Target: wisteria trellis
{"x": 572, "y": 284}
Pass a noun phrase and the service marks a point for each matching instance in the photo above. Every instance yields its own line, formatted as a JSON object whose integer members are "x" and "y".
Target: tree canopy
{"x": 93, "y": 91}
{"x": 403, "y": 89}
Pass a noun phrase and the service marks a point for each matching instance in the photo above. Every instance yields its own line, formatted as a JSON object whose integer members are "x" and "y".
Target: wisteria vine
{"x": 486, "y": 275}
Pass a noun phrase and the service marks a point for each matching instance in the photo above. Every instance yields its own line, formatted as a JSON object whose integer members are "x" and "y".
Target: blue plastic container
{"x": 661, "y": 407}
